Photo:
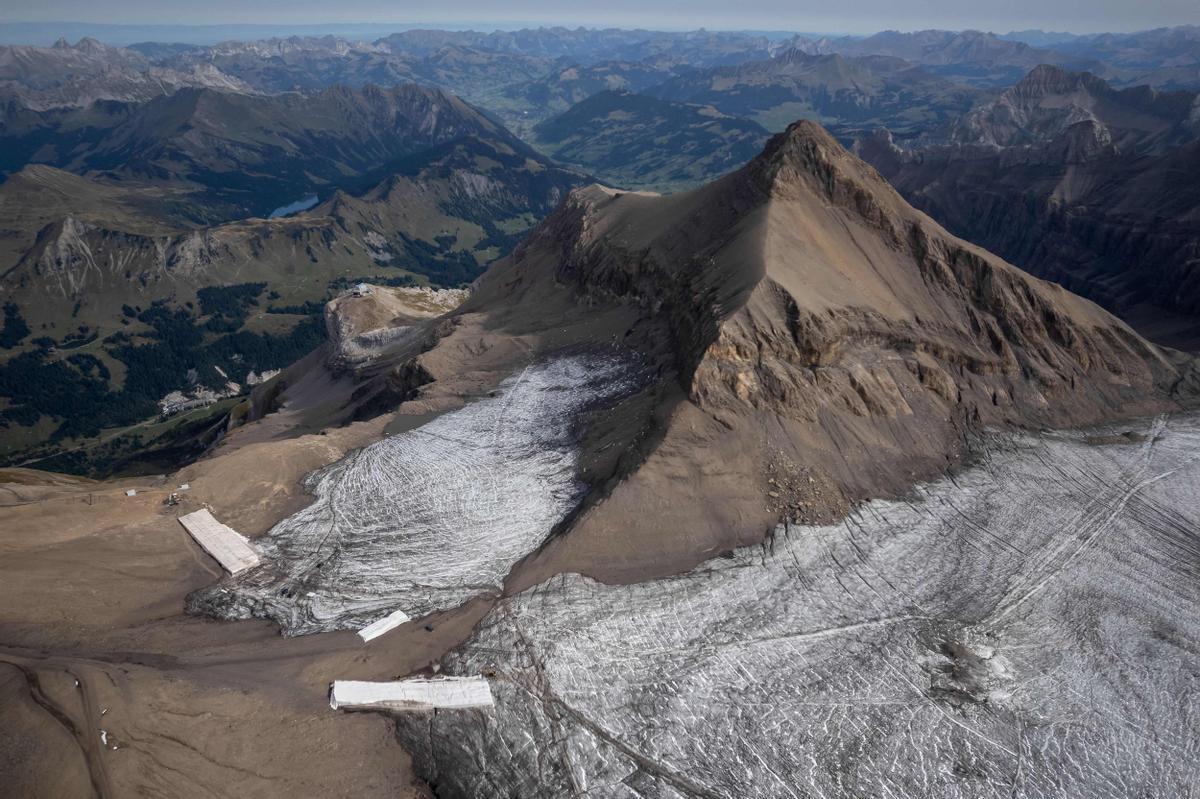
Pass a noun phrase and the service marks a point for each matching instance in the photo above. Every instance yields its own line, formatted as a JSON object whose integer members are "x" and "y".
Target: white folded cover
{"x": 417, "y": 693}
{"x": 381, "y": 626}
{"x": 226, "y": 545}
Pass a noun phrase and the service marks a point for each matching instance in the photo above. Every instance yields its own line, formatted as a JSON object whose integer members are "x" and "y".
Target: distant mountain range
{"x": 843, "y": 92}
{"x": 118, "y": 221}
{"x": 970, "y": 57}
{"x": 190, "y": 160}
{"x": 1049, "y": 101}
{"x": 78, "y": 75}
{"x": 523, "y": 105}
{"x": 249, "y": 154}
{"x": 1086, "y": 185}
{"x": 134, "y": 178}
{"x": 1165, "y": 58}
{"x": 607, "y": 135}
{"x": 539, "y": 72}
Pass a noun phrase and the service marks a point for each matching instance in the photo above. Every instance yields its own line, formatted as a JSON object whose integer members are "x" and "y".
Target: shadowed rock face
{"x": 1115, "y": 228}
{"x": 1025, "y": 629}
{"x": 1074, "y": 181}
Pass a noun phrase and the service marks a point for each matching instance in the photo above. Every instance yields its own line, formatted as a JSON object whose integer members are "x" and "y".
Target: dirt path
{"x": 85, "y": 729}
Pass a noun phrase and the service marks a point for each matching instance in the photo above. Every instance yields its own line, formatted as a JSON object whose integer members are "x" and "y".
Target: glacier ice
{"x": 424, "y": 520}
{"x": 1027, "y": 628}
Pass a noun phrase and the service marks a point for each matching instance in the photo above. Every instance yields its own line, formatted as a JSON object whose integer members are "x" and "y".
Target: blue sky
{"x": 860, "y": 16}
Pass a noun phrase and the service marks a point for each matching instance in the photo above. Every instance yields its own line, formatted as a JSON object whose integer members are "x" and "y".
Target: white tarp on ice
{"x": 378, "y": 628}
{"x": 226, "y": 545}
{"x": 417, "y": 693}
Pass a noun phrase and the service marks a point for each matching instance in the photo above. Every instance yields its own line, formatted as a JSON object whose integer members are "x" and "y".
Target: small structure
{"x": 362, "y": 290}
{"x": 414, "y": 694}
{"x": 131, "y": 492}
{"x": 381, "y": 626}
{"x": 227, "y": 546}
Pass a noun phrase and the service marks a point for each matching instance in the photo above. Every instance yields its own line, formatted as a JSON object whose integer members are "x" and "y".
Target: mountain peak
{"x": 803, "y": 132}
{"x": 800, "y": 300}
{"x": 89, "y": 45}
{"x": 794, "y": 55}
{"x": 1048, "y": 79}
{"x": 804, "y": 145}
{"x": 806, "y": 158}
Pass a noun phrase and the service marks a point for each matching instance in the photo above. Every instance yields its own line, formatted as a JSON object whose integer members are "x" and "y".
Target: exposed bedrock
{"x": 823, "y": 334}
{"x": 370, "y": 320}
{"x": 1117, "y": 228}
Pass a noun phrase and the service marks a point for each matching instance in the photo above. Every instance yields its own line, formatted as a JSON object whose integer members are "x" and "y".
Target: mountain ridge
{"x": 791, "y": 307}
{"x": 1049, "y": 100}
{"x": 66, "y": 76}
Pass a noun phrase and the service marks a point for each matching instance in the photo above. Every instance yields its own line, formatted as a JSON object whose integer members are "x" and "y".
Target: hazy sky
{"x": 858, "y": 16}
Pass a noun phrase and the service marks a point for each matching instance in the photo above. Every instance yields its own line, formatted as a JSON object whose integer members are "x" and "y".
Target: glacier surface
{"x": 1027, "y": 628}
{"x": 426, "y": 519}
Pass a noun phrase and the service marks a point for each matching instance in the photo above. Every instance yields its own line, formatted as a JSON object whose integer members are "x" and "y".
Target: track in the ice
{"x": 426, "y": 519}
{"x": 1030, "y": 628}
